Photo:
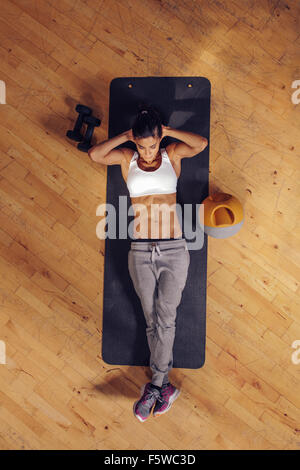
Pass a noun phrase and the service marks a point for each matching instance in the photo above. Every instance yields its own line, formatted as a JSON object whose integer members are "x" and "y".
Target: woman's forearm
{"x": 193, "y": 140}
{"x": 102, "y": 149}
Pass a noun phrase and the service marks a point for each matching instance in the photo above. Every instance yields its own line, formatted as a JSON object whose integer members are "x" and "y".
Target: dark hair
{"x": 147, "y": 122}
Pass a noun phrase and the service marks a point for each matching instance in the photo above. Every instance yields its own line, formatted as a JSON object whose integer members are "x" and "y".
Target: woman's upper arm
{"x": 114, "y": 157}
{"x": 179, "y": 150}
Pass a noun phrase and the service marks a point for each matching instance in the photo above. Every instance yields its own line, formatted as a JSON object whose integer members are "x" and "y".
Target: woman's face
{"x": 148, "y": 148}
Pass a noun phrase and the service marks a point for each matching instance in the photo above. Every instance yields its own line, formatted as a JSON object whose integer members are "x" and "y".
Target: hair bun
{"x": 147, "y": 121}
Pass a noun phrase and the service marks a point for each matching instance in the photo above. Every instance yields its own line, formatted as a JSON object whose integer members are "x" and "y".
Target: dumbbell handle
{"x": 90, "y": 128}
{"x": 85, "y": 145}
{"x": 75, "y": 133}
{"x": 79, "y": 122}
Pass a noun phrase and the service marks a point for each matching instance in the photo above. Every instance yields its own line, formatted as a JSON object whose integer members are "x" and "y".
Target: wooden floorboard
{"x": 56, "y": 392}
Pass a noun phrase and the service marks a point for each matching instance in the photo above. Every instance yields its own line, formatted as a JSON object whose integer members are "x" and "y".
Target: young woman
{"x": 158, "y": 259}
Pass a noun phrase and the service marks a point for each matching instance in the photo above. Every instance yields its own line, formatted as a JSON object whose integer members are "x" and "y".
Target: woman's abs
{"x": 155, "y": 216}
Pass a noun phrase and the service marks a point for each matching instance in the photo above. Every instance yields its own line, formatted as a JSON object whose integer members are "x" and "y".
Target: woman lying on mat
{"x": 158, "y": 260}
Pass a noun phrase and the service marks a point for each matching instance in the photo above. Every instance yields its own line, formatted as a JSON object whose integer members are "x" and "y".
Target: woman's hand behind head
{"x": 165, "y": 130}
{"x": 129, "y": 135}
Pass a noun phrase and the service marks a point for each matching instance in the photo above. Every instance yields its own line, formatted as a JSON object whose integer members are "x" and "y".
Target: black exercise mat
{"x": 184, "y": 103}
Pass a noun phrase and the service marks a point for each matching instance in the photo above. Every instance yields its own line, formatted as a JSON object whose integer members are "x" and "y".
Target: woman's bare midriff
{"x": 155, "y": 215}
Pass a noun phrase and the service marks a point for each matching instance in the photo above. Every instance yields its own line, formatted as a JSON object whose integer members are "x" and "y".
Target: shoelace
{"x": 161, "y": 399}
{"x": 149, "y": 395}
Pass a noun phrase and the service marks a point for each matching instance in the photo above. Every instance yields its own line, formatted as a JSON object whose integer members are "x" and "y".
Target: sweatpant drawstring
{"x": 154, "y": 247}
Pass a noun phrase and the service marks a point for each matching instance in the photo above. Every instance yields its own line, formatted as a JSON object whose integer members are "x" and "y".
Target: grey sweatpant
{"x": 159, "y": 271}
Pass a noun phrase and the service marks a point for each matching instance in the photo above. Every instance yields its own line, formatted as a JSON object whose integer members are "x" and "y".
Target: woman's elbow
{"x": 204, "y": 144}
{"x": 93, "y": 155}
{"x": 90, "y": 152}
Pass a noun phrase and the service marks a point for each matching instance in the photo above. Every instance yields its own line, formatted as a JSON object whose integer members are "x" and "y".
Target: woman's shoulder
{"x": 128, "y": 153}
{"x": 170, "y": 150}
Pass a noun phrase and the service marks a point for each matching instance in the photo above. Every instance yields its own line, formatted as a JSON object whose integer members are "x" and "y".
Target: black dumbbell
{"x": 83, "y": 111}
{"x": 91, "y": 122}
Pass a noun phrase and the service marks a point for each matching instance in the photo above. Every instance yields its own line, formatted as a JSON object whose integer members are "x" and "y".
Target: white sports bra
{"x": 144, "y": 183}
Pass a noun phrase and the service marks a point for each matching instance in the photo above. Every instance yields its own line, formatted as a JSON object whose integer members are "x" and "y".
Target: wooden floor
{"x": 55, "y": 390}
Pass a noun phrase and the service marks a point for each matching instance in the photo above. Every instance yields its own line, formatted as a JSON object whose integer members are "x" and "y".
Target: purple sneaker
{"x": 143, "y": 407}
{"x": 168, "y": 395}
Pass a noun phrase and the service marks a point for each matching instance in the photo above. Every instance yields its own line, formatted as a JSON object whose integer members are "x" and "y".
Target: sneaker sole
{"x": 172, "y": 399}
